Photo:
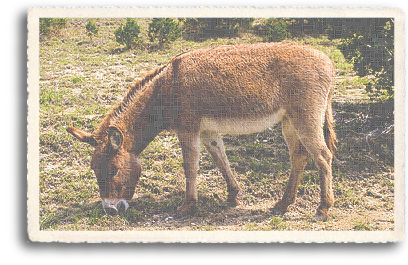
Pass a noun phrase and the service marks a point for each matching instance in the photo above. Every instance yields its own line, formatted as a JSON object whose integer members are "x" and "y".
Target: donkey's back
{"x": 249, "y": 87}
{"x": 254, "y": 79}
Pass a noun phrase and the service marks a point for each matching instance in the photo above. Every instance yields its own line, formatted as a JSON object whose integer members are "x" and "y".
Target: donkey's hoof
{"x": 321, "y": 215}
{"x": 278, "y": 211}
{"x": 280, "y": 208}
{"x": 233, "y": 202}
{"x": 233, "y": 199}
{"x": 186, "y": 209}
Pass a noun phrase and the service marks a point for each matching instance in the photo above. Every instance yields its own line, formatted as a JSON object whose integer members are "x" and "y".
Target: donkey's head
{"x": 116, "y": 170}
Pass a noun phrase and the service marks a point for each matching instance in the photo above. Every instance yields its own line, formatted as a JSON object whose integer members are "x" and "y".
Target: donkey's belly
{"x": 240, "y": 125}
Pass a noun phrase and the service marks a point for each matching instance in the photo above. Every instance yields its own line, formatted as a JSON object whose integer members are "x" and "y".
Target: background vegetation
{"x": 85, "y": 70}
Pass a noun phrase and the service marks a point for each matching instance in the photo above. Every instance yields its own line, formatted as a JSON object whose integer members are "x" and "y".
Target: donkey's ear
{"x": 82, "y": 136}
{"x": 115, "y": 137}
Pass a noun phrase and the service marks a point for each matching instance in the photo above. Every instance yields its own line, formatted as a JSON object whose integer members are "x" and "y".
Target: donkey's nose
{"x": 122, "y": 206}
{"x": 112, "y": 206}
{"x": 111, "y": 210}
{"x": 109, "y": 206}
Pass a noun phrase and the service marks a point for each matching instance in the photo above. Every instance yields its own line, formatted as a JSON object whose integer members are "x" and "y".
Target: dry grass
{"x": 80, "y": 79}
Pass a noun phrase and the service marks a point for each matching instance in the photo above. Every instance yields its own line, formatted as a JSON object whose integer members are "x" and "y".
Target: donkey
{"x": 201, "y": 95}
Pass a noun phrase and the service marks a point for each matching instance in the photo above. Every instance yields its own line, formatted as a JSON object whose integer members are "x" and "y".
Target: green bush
{"x": 282, "y": 28}
{"x": 91, "y": 29}
{"x": 50, "y": 26}
{"x": 307, "y": 26}
{"x": 205, "y": 28}
{"x": 128, "y": 34}
{"x": 371, "y": 50}
{"x": 274, "y": 29}
{"x": 165, "y": 30}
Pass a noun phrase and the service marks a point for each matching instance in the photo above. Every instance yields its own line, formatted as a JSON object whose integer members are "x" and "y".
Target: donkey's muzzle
{"x": 113, "y": 207}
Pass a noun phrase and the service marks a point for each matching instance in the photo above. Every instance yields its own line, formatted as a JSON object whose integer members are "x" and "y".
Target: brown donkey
{"x": 202, "y": 94}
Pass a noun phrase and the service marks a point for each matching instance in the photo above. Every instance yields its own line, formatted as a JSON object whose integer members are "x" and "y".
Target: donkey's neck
{"x": 141, "y": 115}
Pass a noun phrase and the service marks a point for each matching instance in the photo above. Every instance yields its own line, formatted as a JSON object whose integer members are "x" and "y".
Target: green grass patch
{"x": 80, "y": 80}
{"x": 362, "y": 226}
{"x": 77, "y": 80}
{"x": 277, "y": 223}
{"x": 250, "y": 227}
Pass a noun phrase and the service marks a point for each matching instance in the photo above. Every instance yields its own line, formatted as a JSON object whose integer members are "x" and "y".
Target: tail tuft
{"x": 328, "y": 129}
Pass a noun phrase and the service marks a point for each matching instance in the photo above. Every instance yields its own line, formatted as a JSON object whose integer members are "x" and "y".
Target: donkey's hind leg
{"x": 311, "y": 135}
{"x": 215, "y": 145}
{"x": 298, "y": 159}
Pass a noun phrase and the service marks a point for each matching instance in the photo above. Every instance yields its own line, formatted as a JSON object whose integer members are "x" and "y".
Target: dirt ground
{"x": 81, "y": 79}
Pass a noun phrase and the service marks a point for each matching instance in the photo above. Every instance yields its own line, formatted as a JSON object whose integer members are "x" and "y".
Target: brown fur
{"x": 204, "y": 93}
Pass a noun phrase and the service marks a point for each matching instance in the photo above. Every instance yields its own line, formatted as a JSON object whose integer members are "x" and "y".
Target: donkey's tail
{"x": 328, "y": 128}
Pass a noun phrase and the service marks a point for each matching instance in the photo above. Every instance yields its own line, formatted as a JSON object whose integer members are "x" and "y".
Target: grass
{"x": 362, "y": 226}
{"x": 81, "y": 79}
{"x": 277, "y": 223}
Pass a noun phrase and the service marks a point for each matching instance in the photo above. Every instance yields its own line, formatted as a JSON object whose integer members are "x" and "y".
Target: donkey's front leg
{"x": 215, "y": 145}
{"x": 190, "y": 145}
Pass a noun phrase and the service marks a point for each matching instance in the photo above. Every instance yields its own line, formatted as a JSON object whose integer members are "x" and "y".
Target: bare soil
{"x": 80, "y": 79}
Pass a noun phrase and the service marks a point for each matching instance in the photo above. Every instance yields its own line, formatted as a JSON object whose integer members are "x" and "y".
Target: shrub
{"x": 50, "y": 26}
{"x": 165, "y": 30}
{"x": 277, "y": 29}
{"x": 128, "y": 34}
{"x": 204, "y": 28}
{"x": 274, "y": 29}
{"x": 371, "y": 50}
{"x": 91, "y": 29}
{"x": 307, "y": 26}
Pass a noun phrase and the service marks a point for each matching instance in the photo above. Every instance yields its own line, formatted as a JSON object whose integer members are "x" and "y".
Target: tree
{"x": 371, "y": 49}
{"x": 204, "y": 28}
{"x": 128, "y": 34}
{"x": 165, "y": 30}
{"x": 274, "y": 29}
{"x": 91, "y": 29}
{"x": 50, "y": 26}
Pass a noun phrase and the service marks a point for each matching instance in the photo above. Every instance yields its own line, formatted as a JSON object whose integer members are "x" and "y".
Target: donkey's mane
{"x": 135, "y": 88}
{"x": 138, "y": 86}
